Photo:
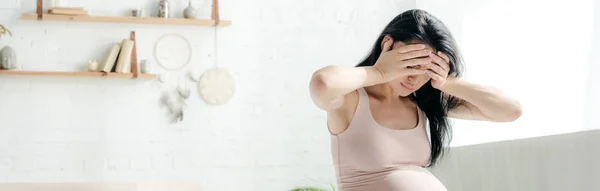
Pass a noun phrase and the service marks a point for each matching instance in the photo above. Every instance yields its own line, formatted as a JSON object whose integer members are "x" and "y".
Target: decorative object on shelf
{"x": 216, "y": 86}
{"x": 173, "y": 52}
{"x": 4, "y": 31}
{"x": 190, "y": 12}
{"x": 163, "y": 8}
{"x": 8, "y": 58}
{"x": 145, "y": 67}
{"x": 136, "y": 12}
{"x": 93, "y": 66}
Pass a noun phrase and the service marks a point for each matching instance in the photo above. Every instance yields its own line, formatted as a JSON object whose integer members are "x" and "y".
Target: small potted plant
{"x": 4, "y": 31}
{"x": 310, "y": 188}
{"x": 7, "y": 54}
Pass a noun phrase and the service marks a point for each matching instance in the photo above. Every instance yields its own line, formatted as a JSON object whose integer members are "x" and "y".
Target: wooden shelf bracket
{"x": 215, "y": 12}
{"x": 40, "y": 11}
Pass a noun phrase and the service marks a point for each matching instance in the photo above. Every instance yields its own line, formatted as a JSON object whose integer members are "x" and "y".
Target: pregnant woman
{"x": 387, "y": 116}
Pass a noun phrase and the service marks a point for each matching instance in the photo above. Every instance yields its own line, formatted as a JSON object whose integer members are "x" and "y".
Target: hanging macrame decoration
{"x": 173, "y": 52}
{"x": 216, "y": 86}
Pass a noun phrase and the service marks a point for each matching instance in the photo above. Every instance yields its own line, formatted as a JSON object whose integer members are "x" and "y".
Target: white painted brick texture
{"x": 268, "y": 137}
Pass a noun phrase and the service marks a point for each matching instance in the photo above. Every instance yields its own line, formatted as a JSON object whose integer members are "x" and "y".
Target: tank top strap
{"x": 362, "y": 92}
{"x": 362, "y": 114}
{"x": 424, "y": 122}
{"x": 363, "y": 102}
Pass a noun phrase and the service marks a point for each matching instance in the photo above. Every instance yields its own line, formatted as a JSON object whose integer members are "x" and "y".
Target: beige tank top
{"x": 366, "y": 154}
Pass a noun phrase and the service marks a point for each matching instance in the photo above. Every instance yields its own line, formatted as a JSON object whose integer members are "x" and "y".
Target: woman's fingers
{"x": 436, "y": 69}
{"x": 439, "y": 61}
{"x": 387, "y": 46}
{"x": 414, "y": 54}
{"x": 415, "y": 62}
{"x": 411, "y": 47}
{"x": 444, "y": 56}
{"x": 433, "y": 75}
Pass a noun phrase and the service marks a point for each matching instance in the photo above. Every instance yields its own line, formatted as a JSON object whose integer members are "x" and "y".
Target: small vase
{"x": 8, "y": 58}
{"x": 190, "y": 12}
{"x": 145, "y": 66}
{"x": 92, "y": 66}
{"x": 163, "y": 8}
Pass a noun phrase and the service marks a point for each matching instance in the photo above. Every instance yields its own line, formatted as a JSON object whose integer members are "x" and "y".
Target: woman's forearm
{"x": 332, "y": 82}
{"x": 492, "y": 102}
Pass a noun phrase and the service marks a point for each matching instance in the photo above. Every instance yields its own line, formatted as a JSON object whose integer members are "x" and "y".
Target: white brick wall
{"x": 269, "y": 137}
{"x": 593, "y": 88}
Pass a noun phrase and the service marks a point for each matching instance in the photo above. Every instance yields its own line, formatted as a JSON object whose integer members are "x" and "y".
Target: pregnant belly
{"x": 404, "y": 179}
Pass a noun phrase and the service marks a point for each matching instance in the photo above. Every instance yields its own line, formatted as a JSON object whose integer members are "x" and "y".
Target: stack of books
{"x": 73, "y": 11}
{"x": 119, "y": 57}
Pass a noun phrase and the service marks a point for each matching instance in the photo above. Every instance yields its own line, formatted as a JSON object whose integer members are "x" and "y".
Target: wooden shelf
{"x": 75, "y": 74}
{"x": 135, "y": 20}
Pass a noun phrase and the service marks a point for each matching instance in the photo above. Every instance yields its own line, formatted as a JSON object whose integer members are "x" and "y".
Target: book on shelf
{"x": 111, "y": 58}
{"x": 73, "y": 11}
{"x": 119, "y": 58}
{"x": 124, "y": 60}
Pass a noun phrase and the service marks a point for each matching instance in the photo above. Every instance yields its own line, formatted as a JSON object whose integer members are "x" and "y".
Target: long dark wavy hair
{"x": 420, "y": 26}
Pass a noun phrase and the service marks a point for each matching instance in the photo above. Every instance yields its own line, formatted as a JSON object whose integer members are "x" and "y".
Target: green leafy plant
{"x": 313, "y": 189}
{"x": 4, "y": 31}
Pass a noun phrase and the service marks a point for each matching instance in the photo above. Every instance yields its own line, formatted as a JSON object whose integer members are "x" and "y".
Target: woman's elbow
{"x": 517, "y": 112}
{"x": 513, "y": 113}
{"x": 318, "y": 82}
{"x": 320, "y": 79}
